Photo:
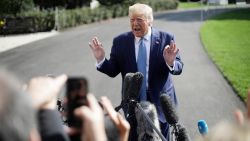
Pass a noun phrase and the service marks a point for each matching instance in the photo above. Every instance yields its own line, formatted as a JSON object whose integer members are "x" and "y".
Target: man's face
{"x": 139, "y": 24}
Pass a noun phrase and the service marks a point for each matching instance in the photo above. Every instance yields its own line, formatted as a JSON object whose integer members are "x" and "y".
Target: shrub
{"x": 111, "y": 2}
{"x": 45, "y": 20}
{"x": 17, "y": 25}
{"x": 159, "y": 5}
{"x": 13, "y": 7}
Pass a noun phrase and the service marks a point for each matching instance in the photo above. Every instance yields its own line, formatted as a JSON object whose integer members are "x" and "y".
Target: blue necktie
{"x": 141, "y": 66}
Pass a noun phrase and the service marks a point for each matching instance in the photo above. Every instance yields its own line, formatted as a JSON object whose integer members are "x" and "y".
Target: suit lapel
{"x": 154, "y": 51}
{"x": 131, "y": 51}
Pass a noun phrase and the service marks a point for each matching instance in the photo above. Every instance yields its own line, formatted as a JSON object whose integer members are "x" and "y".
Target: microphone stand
{"x": 123, "y": 103}
{"x": 137, "y": 105}
{"x": 173, "y": 132}
{"x": 176, "y": 132}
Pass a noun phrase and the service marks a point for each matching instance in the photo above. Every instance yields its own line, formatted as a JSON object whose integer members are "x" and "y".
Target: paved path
{"x": 201, "y": 89}
{"x": 14, "y": 41}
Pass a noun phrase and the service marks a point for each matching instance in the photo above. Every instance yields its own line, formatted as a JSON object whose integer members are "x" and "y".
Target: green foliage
{"x": 226, "y": 39}
{"x": 112, "y": 2}
{"x": 85, "y": 15}
{"x": 13, "y": 7}
{"x": 26, "y": 5}
{"x": 159, "y": 5}
{"x": 71, "y": 4}
{"x": 119, "y": 10}
{"x": 155, "y": 4}
{"x": 44, "y": 20}
{"x": 68, "y": 4}
{"x": 190, "y": 5}
{"x": 17, "y": 25}
{"x": 48, "y": 4}
{"x": 32, "y": 21}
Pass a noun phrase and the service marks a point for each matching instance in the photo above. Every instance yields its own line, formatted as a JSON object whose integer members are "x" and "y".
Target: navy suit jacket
{"x": 122, "y": 60}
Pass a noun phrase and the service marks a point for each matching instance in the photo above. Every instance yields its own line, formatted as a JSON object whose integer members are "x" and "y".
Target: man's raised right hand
{"x": 97, "y": 49}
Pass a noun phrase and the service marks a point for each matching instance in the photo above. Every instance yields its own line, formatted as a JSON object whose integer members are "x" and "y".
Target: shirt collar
{"x": 146, "y": 37}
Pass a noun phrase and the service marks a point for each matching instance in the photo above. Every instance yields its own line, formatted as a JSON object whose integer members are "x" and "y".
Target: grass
{"x": 226, "y": 38}
{"x": 190, "y": 5}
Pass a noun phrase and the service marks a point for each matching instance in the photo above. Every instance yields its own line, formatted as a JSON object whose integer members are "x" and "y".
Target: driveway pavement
{"x": 202, "y": 91}
{"x": 12, "y": 41}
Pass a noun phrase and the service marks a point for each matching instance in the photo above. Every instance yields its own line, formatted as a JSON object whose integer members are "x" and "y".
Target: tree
{"x": 47, "y": 4}
{"x": 69, "y": 4}
{"x": 113, "y": 2}
{"x": 12, "y": 7}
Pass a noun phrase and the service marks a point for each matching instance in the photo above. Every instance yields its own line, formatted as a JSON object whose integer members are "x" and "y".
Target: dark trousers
{"x": 165, "y": 130}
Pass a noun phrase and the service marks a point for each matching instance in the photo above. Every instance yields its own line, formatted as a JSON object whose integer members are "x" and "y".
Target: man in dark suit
{"x": 158, "y": 61}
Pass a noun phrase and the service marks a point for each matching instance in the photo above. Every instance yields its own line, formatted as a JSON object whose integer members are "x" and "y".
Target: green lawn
{"x": 190, "y": 5}
{"x": 227, "y": 40}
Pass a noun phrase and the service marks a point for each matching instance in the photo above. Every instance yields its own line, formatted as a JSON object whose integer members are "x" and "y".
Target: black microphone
{"x": 127, "y": 86}
{"x": 172, "y": 118}
{"x": 168, "y": 109}
{"x": 136, "y": 86}
{"x": 182, "y": 134}
{"x": 131, "y": 88}
{"x": 131, "y": 93}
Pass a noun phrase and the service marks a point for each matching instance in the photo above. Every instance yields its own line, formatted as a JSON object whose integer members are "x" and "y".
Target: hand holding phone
{"x": 76, "y": 92}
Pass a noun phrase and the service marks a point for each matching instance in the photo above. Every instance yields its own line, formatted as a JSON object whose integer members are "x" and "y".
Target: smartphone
{"x": 76, "y": 92}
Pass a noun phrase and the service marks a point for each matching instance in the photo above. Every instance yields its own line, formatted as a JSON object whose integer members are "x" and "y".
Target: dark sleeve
{"x": 111, "y": 66}
{"x": 50, "y": 126}
{"x": 178, "y": 62}
{"x": 178, "y": 65}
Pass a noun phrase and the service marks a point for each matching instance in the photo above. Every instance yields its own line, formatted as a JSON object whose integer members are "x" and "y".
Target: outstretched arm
{"x": 109, "y": 67}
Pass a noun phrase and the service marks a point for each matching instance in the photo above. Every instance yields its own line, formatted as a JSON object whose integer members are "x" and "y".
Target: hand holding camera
{"x": 45, "y": 90}
{"x": 85, "y": 116}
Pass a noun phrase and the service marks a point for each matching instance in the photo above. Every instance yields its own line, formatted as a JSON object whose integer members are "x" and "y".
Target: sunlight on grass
{"x": 190, "y": 5}
{"x": 226, "y": 39}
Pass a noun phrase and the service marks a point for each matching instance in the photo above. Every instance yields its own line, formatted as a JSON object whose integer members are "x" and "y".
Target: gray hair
{"x": 144, "y": 129}
{"x": 17, "y": 117}
{"x": 142, "y": 9}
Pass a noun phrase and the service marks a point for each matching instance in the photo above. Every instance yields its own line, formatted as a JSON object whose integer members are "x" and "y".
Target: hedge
{"x": 47, "y": 20}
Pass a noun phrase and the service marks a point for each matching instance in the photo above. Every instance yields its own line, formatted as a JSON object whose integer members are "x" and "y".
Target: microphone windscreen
{"x": 132, "y": 85}
{"x": 136, "y": 85}
{"x": 202, "y": 126}
{"x": 168, "y": 109}
{"x": 127, "y": 83}
{"x": 144, "y": 129}
{"x": 182, "y": 134}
